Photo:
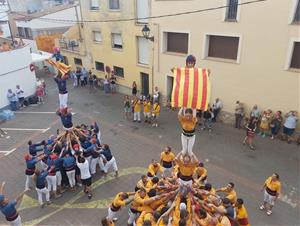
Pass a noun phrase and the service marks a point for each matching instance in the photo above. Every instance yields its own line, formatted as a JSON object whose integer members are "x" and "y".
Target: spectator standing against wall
{"x": 290, "y": 125}
{"x": 12, "y": 98}
{"x": 20, "y": 95}
{"x": 239, "y": 114}
{"x": 217, "y": 107}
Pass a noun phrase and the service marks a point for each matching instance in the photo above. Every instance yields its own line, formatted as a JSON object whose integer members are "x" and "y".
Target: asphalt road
{"x": 134, "y": 145}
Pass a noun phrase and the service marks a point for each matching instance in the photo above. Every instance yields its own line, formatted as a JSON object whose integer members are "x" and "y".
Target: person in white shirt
{"x": 217, "y": 106}
{"x": 290, "y": 125}
{"x": 156, "y": 95}
{"x": 20, "y": 95}
{"x": 86, "y": 178}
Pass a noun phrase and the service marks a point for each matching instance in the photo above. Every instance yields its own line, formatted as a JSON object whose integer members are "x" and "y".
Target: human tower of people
{"x": 174, "y": 192}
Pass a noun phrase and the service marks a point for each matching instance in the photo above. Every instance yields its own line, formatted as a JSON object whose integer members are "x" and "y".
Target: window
{"x": 21, "y": 32}
{"x": 114, "y": 4}
{"x": 142, "y": 7}
{"x": 78, "y": 61}
{"x": 99, "y": 66}
{"x": 143, "y": 50}
{"x": 94, "y": 4}
{"x": 117, "y": 41}
{"x": 97, "y": 36}
{"x": 119, "y": 71}
{"x": 297, "y": 13}
{"x": 231, "y": 10}
{"x": 177, "y": 42}
{"x": 295, "y": 61}
{"x": 28, "y": 33}
{"x": 225, "y": 47}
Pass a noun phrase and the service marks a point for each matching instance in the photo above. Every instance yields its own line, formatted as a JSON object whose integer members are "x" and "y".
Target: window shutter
{"x": 97, "y": 36}
{"x": 143, "y": 50}
{"x": 94, "y": 4}
{"x": 117, "y": 38}
{"x": 142, "y": 10}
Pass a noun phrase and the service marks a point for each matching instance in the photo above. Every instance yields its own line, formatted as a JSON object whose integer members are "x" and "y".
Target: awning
{"x": 40, "y": 56}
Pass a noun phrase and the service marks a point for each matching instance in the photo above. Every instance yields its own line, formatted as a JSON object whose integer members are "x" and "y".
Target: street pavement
{"x": 134, "y": 146}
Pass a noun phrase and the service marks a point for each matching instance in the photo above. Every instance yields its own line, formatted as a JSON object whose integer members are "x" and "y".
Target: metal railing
{"x": 71, "y": 45}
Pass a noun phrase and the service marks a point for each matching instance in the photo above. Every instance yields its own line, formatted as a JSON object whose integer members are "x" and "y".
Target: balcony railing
{"x": 71, "y": 45}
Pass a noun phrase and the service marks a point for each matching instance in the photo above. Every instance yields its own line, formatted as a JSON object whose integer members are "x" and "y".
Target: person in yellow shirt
{"x": 147, "y": 111}
{"x": 271, "y": 188}
{"x": 188, "y": 121}
{"x": 201, "y": 173}
{"x": 186, "y": 167}
{"x": 166, "y": 160}
{"x": 121, "y": 199}
{"x": 229, "y": 191}
{"x": 142, "y": 183}
{"x": 136, "y": 105}
{"x": 145, "y": 219}
{"x": 241, "y": 213}
{"x": 154, "y": 168}
{"x": 141, "y": 202}
{"x": 155, "y": 114}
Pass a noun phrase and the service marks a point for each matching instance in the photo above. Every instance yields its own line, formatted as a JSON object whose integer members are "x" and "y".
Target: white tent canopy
{"x": 40, "y": 56}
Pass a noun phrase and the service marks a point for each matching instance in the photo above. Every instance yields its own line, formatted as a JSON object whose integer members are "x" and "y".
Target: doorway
{"x": 145, "y": 84}
{"x": 170, "y": 80}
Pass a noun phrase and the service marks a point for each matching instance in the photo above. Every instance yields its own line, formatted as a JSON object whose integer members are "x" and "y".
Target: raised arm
{"x": 2, "y": 187}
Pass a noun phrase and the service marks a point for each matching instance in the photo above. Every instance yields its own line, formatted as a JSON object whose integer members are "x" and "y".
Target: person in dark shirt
{"x": 109, "y": 159}
{"x": 34, "y": 148}
{"x": 208, "y": 115}
{"x": 62, "y": 89}
{"x": 40, "y": 178}
{"x": 30, "y": 168}
{"x": 8, "y": 209}
{"x": 66, "y": 118}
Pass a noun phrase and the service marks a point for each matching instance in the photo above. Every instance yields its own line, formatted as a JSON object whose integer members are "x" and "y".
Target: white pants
{"x": 137, "y": 116}
{"x": 270, "y": 199}
{"x": 51, "y": 182}
{"x": 71, "y": 177}
{"x": 186, "y": 183}
{"x": 132, "y": 217}
{"x": 58, "y": 178}
{"x": 93, "y": 165}
{"x": 187, "y": 144}
{"x": 101, "y": 164}
{"x": 89, "y": 159}
{"x": 16, "y": 222}
{"x": 44, "y": 166}
{"x": 147, "y": 115}
{"x": 63, "y": 100}
{"x": 111, "y": 214}
{"x": 99, "y": 136}
{"x": 110, "y": 163}
{"x": 29, "y": 179}
{"x": 167, "y": 172}
{"x": 40, "y": 193}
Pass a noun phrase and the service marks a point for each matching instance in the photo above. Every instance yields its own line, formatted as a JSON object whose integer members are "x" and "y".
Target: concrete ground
{"x": 134, "y": 145}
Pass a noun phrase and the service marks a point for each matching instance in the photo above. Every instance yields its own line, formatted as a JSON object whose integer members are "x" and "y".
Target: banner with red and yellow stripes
{"x": 191, "y": 88}
{"x": 61, "y": 67}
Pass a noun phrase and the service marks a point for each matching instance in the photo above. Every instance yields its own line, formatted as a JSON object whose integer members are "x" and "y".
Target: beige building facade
{"x": 253, "y": 50}
{"x": 118, "y": 45}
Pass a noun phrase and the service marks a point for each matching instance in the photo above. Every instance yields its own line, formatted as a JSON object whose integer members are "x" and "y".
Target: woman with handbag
{"x": 251, "y": 128}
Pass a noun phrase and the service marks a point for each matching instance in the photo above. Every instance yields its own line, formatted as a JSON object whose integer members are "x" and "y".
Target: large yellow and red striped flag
{"x": 63, "y": 68}
{"x": 191, "y": 88}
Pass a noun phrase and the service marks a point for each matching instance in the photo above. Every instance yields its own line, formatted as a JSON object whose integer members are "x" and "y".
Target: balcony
{"x": 69, "y": 45}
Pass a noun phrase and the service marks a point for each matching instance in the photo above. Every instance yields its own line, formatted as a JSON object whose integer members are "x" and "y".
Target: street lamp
{"x": 146, "y": 33}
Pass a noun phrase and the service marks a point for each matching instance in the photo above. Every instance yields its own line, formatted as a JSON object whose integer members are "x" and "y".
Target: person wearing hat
{"x": 31, "y": 162}
{"x": 53, "y": 167}
{"x": 57, "y": 161}
{"x": 8, "y": 209}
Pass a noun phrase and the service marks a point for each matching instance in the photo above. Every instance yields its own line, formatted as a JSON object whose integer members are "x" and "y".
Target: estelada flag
{"x": 191, "y": 88}
{"x": 63, "y": 68}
